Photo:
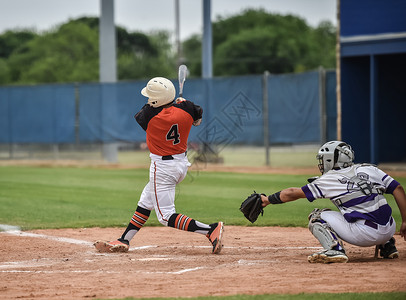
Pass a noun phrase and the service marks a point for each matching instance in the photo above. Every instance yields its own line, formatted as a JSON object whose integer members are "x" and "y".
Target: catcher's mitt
{"x": 252, "y": 207}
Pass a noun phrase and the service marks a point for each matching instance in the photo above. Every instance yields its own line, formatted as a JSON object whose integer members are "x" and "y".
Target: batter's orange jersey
{"x": 168, "y": 128}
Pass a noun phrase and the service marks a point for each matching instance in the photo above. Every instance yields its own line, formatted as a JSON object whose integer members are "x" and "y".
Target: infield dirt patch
{"x": 164, "y": 262}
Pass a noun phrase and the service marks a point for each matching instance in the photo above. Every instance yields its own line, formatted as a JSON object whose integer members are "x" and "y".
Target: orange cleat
{"x": 216, "y": 236}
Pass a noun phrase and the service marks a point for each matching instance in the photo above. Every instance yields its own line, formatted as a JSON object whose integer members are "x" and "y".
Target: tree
{"x": 66, "y": 55}
{"x": 136, "y": 62}
{"x": 192, "y": 47}
{"x": 11, "y": 41}
{"x": 255, "y": 41}
{"x": 70, "y": 53}
{"x": 247, "y": 43}
{"x": 324, "y": 39}
{"x": 256, "y": 50}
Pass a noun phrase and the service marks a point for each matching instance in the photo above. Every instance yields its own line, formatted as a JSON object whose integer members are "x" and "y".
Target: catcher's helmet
{"x": 335, "y": 155}
{"x": 160, "y": 91}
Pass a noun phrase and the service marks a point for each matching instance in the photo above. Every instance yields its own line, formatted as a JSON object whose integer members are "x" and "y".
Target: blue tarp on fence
{"x": 233, "y": 111}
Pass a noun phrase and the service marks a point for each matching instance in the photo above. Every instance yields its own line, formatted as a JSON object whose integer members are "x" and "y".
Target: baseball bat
{"x": 182, "y": 77}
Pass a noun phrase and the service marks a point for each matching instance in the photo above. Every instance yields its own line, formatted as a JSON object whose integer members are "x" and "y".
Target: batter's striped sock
{"x": 138, "y": 220}
{"x": 183, "y": 222}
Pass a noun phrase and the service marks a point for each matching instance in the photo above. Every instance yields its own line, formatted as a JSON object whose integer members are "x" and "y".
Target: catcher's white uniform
{"x": 357, "y": 191}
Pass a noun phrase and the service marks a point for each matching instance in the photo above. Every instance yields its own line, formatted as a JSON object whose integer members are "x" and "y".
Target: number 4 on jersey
{"x": 173, "y": 134}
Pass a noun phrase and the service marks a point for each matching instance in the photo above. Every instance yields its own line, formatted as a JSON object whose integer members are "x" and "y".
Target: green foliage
{"x": 89, "y": 197}
{"x": 255, "y": 41}
{"x": 147, "y": 60}
{"x": 253, "y": 51}
{"x": 192, "y": 48}
{"x": 11, "y": 41}
{"x": 247, "y": 43}
{"x": 70, "y": 53}
{"x": 66, "y": 55}
{"x": 4, "y": 71}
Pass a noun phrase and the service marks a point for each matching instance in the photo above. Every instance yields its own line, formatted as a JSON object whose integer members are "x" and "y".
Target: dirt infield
{"x": 164, "y": 262}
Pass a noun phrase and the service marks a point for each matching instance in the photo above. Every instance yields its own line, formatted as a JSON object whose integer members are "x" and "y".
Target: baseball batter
{"x": 364, "y": 217}
{"x": 167, "y": 124}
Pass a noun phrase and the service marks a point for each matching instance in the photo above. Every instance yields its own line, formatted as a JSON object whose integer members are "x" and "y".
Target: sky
{"x": 149, "y": 15}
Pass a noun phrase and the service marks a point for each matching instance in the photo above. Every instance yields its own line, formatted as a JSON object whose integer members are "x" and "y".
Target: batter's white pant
{"x": 358, "y": 233}
{"x": 159, "y": 193}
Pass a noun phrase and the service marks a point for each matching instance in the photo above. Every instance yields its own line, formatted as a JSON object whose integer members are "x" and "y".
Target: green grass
{"x": 66, "y": 197}
{"x": 300, "y": 156}
{"x": 302, "y": 296}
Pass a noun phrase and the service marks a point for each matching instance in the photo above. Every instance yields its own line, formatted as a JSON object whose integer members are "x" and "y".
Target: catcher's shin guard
{"x": 322, "y": 231}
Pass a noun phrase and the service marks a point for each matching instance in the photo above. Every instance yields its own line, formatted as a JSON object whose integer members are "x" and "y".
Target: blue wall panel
{"x": 294, "y": 109}
{"x": 373, "y": 77}
{"x": 5, "y": 130}
{"x": 233, "y": 111}
{"x": 38, "y": 114}
{"x": 355, "y": 94}
{"x": 368, "y": 17}
{"x": 390, "y": 114}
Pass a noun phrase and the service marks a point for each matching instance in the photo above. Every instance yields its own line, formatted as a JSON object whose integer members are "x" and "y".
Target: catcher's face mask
{"x": 334, "y": 154}
{"x": 320, "y": 165}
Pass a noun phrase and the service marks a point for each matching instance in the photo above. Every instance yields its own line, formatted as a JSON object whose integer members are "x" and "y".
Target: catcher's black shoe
{"x": 215, "y": 236}
{"x": 389, "y": 250}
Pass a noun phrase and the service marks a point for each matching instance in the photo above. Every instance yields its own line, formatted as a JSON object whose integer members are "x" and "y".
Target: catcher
{"x": 364, "y": 218}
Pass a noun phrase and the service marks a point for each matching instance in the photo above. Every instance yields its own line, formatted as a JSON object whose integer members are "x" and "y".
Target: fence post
{"x": 265, "y": 115}
{"x": 322, "y": 103}
{"x": 108, "y": 63}
{"x": 77, "y": 114}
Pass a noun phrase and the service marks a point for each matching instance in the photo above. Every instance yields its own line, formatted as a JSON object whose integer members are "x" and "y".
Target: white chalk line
{"x": 48, "y": 237}
{"x": 6, "y": 227}
{"x": 90, "y": 244}
{"x": 228, "y": 265}
{"x": 10, "y": 267}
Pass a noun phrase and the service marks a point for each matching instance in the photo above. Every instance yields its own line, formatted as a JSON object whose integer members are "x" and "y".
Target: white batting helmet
{"x": 335, "y": 154}
{"x": 160, "y": 91}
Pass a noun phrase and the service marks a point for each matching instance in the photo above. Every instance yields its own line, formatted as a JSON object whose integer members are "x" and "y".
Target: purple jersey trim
{"x": 380, "y": 216}
{"x": 321, "y": 194}
{"x": 359, "y": 200}
{"x": 308, "y": 193}
{"x": 392, "y": 186}
{"x": 338, "y": 196}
